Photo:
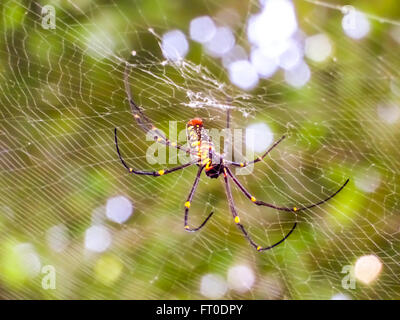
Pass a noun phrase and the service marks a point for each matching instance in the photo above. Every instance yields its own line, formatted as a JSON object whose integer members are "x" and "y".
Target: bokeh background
{"x": 323, "y": 73}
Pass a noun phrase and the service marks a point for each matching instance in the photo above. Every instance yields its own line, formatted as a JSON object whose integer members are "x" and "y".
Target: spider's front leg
{"x": 144, "y": 122}
{"x": 149, "y": 173}
{"x": 258, "y": 159}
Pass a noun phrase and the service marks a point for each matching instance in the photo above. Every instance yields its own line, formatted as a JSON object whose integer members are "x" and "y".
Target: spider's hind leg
{"x": 291, "y": 209}
{"x": 241, "y": 227}
{"x": 188, "y": 202}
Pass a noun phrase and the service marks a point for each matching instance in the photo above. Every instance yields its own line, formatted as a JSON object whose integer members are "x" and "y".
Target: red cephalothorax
{"x": 195, "y": 122}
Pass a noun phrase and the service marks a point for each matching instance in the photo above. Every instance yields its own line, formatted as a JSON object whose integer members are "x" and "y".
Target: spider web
{"x": 62, "y": 95}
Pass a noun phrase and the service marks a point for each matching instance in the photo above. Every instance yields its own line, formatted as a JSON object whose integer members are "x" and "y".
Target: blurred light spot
{"x": 318, "y": 47}
{"x": 57, "y": 237}
{"x": 174, "y": 45}
{"x": 340, "y": 296}
{"x": 221, "y": 43}
{"x": 237, "y": 53}
{"x": 28, "y": 258}
{"x": 18, "y": 263}
{"x": 368, "y": 180}
{"x": 264, "y": 66}
{"x": 367, "y": 268}
{"x": 108, "y": 269}
{"x": 240, "y": 278}
{"x": 298, "y": 76}
{"x": 97, "y": 238}
{"x": 389, "y": 113}
{"x": 119, "y": 209}
{"x": 258, "y": 137}
{"x": 213, "y": 286}
{"x": 355, "y": 24}
{"x": 271, "y": 29}
{"x": 291, "y": 56}
{"x": 202, "y": 29}
{"x": 243, "y": 74}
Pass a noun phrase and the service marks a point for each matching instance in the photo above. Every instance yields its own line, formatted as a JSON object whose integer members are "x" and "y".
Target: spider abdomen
{"x": 214, "y": 170}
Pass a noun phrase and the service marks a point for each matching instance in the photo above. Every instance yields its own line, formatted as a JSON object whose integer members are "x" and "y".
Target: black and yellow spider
{"x": 206, "y": 158}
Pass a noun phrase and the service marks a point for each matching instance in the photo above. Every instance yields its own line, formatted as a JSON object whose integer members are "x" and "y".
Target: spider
{"x": 204, "y": 155}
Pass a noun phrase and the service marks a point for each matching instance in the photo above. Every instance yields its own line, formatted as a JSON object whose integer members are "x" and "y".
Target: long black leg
{"x": 189, "y": 200}
{"x": 293, "y": 209}
{"x": 245, "y": 164}
{"x": 143, "y": 121}
{"x": 241, "y": 227}
{"x": 149, "y": 173}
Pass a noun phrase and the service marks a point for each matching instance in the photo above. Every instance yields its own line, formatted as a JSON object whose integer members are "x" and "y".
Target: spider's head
{"x": 195, "y": 122}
